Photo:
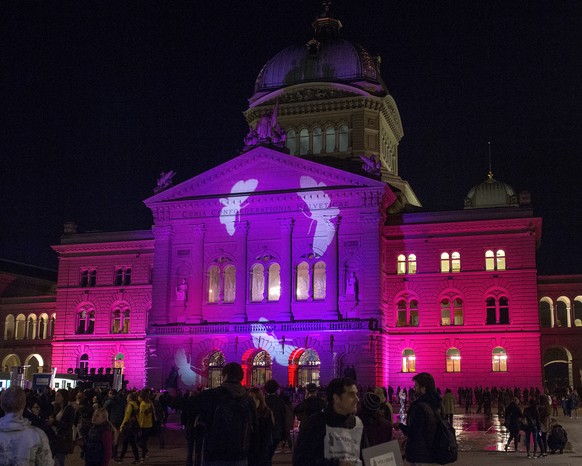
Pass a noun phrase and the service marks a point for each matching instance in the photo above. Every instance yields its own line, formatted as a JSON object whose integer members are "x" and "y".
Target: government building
{"x": 305, "y": 257}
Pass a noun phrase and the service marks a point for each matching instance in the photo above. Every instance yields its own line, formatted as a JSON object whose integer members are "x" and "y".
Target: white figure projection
{"x": 320, "y": 213}
{"x": 188, "y": 373}
{"x": 232, "y": 205}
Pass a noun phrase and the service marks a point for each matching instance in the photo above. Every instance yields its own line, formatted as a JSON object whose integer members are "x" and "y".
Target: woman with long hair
{"x": 129, "y": 429}
{"x": 62, "y": 421}
{"x": 146, "y": 421}
{"x": 266, "y": 421}
{"x": 512, "y": 422}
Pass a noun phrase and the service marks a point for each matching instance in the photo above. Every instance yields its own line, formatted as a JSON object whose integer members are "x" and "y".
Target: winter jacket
{"x": 145, "y": 416}
{"x": 420, "y": 429}
{"x": 513, "y": 414}
{"x": 310, "y": 449}
{"x": 21, "y": 444}
{"x": 449, "y": 403}
{"x": 97, "y": 446}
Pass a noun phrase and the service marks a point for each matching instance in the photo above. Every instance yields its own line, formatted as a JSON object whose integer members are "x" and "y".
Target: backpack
{"x": 445, "y": 449}
{"x": 229, "y": 434}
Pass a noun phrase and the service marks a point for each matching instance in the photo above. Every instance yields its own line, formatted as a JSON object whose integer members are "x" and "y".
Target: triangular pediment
{"x": 263, "y": 170}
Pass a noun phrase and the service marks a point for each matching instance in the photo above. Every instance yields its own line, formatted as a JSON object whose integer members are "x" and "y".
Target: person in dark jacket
{"x": 266, "y": 421}
{"x": 334, "y": 436}
{"x": 377, "y": 428}
{"x": 512, "y": 422}
{"x": 531, "y": 421}
{"x": 277, "y": 405}
{"x": 310, "y": 405}
{"x": 421, "y": 419}
{"x": 62, "y": 421}
{"x": 98, "y": 443}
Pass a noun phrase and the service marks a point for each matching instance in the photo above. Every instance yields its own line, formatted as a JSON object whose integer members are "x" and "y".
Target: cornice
{"x": 69, "y": 249}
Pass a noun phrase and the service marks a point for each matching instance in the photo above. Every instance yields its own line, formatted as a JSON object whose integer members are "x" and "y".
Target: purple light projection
{"x": 232, "y": 205}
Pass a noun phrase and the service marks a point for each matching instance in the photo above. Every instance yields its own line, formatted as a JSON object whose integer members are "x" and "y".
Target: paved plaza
{"x": 481, "y": 441}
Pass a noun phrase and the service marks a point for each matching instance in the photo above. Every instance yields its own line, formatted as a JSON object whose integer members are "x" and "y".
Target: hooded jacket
{"x": 21, "y": 444}
{"x": 420, "y": 429}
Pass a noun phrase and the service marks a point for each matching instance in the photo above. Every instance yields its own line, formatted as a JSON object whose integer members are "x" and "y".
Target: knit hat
{"x": 311, "y": 387}
{"x": 371, "y": 402}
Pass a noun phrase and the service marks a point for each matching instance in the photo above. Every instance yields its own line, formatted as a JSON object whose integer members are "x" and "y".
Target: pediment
{"x": 263, "y": 170}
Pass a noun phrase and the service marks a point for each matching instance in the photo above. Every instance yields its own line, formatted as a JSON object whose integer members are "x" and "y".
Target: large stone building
{"x": 307, "y": 256}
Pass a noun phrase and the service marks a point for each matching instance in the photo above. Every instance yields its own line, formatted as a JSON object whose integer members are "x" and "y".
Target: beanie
{"x": 371, "y": 402}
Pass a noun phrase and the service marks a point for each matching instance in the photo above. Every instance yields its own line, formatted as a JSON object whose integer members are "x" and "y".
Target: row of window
{"x": 450, "y": 262}
{"x": 317, "y": 140}
{"x": 562, "y": 315}
{"x": 21, "y": 327}
{"x": 122, "y": 277}
{"x": 120, "y": 320}
{"x": 310, "y": 281}
{"x": 453, "y": 360}
{"x": 497, "y": 312}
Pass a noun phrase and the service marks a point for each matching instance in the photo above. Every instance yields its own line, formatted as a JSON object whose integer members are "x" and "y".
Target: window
{"x": 31, "y": 327}
{"x": 406, "y": 264}
{"x": 495, "y": 261}
{"x": 215, "y": 365}
{"x": 221, "y": 281}
{"x": 291, "y": 142}
{"x": 330, "y": 139}
{"x": 497, "y": 310}
{"x": 311, "y": 280}
{"x": 577, "y": 313}
{"x": 122, "y": 276}
{"x": 563, "y": 312}
{"x": 9, "y": 327}
{"x": 317, "y": 140}
{"x": 43, "y": 322}
{"x": 407, "y": 313}
{"x": 257, "y": 283}
{"x": 343, "y": 138}
{"x": 272, "y": 280}
{"x": 86, "y": 320}
{"x": 84, "y": 364}
{"x": 303, "y": 141}
{"x": 452, "y": 311}
{"x": 408, "y": 361}
{"x": 499, "y": 360}
{"x": 274, "y": 292}
{"x": 261, "y": 368}
{"x": 453, "y": 360}
{"x": 20, "y": 327}
{"x": 450, "y": 262}
{"x": 545, "y": 313}
{"x": 88, "y": 277}
{"x": 308, "y": 368}
{"x": 456, "y": 262}
{"x": 445, "y": 262}
{"x": 121, "y": 320}
{"x": 84, "y": 278}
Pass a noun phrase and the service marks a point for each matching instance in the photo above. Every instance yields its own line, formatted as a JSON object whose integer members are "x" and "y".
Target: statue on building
{"x": 164, "y": 181}
{"x": 267, "y": 131}
{"x": 182, "y": 291}
{"x": 371, "y": 165}
{"x": 353, "y": 286}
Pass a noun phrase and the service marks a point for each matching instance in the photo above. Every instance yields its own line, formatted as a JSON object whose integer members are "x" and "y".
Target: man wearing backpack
{"x": 230, "y": 418}
{"x": 422, "y": 421}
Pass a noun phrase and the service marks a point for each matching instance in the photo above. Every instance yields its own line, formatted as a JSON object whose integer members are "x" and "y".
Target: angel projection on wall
{"x": 232, "y": 205}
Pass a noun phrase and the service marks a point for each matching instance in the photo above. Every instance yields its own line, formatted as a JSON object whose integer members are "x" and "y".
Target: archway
{"x": 36, "y": 364}
{"x": 9, "y": 362}
{"x": 257, "y": 367}
{"x": 215, "y": 364}
{"x": 557, "y": 368}
{"x": 304, "y": 367}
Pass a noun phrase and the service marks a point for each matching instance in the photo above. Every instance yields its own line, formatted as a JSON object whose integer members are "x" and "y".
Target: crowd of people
{"x": 235, "y": 426}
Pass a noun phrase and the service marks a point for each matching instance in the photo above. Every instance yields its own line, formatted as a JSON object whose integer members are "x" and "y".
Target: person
{"x": 333, "y": 436}
{"x": 544, "y": 413}
{"x": 449, "y": 405}
{"x": 20, "y": 442}
{"x": 98, "y": 443}
{"x": 513, "y": 417}
{"x": 228, "y": 443}
{"x": 193, "y": 431}
{"x": 129, "y": 430}
{"x": 574, "y": 403}
{"x": 377, "y": 427}
{"x": 531, "y": 426}
{"x": 385, "y": 407}
{"x": 62, "y": 421}
{"x": 266, "y": 423}
{"x": 276, "y": 404}
{"x": 421, "y": 426}
{"x": 115, "y": 406}
{"x": 145, "y": 418}
{"x": 310, "y": 405}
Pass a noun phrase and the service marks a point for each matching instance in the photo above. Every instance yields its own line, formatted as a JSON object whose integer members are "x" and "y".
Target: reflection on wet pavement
{"x": 476, "y": 432}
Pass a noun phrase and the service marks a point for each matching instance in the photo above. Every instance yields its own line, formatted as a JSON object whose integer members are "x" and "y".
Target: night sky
{"x": 97, "y": 98}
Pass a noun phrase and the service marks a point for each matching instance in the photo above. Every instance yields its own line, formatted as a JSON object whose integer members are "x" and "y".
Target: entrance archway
{"x": 304, "y": 367}
{"x": 215, "y": 364}
{"x": 257, "y": 367}
{"x": 558, "y": 368}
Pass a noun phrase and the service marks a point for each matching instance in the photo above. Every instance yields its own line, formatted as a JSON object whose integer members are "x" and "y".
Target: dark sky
{"x": 97, "y": 98}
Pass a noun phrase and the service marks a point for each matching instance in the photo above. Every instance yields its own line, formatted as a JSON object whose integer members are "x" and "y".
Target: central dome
{"x": 325, "y": 58}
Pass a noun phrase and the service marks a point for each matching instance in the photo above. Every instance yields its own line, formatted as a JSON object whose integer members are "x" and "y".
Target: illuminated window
{"x": 499, "y": 360}
{"x": 319, "y": 280}
{"x": 495, "y": 261}
{"x": 577, "y": 313}
{"x": 261, "y": 368}
{"x": 450, "y": 262}
{"x": 497, "y": 310}
{"x": 216, "y": 363}
{"x": 213, "y": 284}
{"x": 86, "y": 321}
{"x": 452, "y": 311}
{"x": 317, "y": 140}
{"x": 303, "y": 141}
{"x": 229, "y": 284}
{"x": 330, "y": 139}
{"x": 291, "y": 142}
{"x": 274, "y": 282}
{"x": 303, "y": 281}
{"x": 406, "y": 264}
{"x": 445, "y": 262}
{"x": 311, "y": 280}
{"x": 407, "y": 313}
{"x": 456, "y": 262}
{"x": 31, "y": 327}
{"x": 20, "y": 327}
{"x": 9, "y": 327}
{"x": 343, "y": 138}
{"x": 453, "y": 360}
{"x": 408, "y": 361}
{"x": 121, "y": 320}
{"x": 257, "y": 283}
{"x": 221, "y": 281}
{"x": 308, "y": 368}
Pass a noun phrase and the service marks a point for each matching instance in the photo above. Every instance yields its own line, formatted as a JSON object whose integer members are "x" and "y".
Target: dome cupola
{"x": 490, "y": 194}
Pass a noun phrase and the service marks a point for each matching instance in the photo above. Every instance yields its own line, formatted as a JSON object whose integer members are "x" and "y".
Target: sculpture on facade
{"x": 267, "y": 131}
{"x": 164, "y": 181}
{"x": 182, "y": 291}
{"x": 353, "y": 286}
{"x": 371, "y": 165}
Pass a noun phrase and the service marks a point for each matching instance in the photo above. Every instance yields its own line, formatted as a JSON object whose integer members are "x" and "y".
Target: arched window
{"x": 121, "y": 320}
{"x": 411, "y": 263}
{"x": 578, "y": 312}
{"x": 122, "y": 276}
{"x": 52, "y": 326}
{"x": 407, "y": 313}
{"x": 406, "y": 264}
{"x": 84, "y": 278}
{"x": 408, "y": 361}
{"x": 497, "y": 310}
{"x": 9, "y": 333}
{"x": 84, "y": 364}
{"x": 343, "y": 138}
{"x": 453, "y": 360}
{"x": 500, "y": 259}
{"x": 118, "y": 277}
{"x": 213, "y": 284}
{"x": 261, "y": 368}
{"x": 330, "y": 139}
{"x": 229, "y": 284}
{"x": 20, "y": 327}
{"x": 401, "y": 264}
{"x": 308, "y": 368}
{"x": 215, "y": 365}
{"x": 303, "y": 141}
{"x": 495, "y": 261}
{"x": 545, "y": 314}
{"x": 445, "y": 262}
{"x": 489, "y": 260}
{"x": 257, "y": 283}
{"x": 499, "y": 360}
{"x": 452, "y": 311}
{"x": 311, "y": 279}
{"x": 303, "y": 281}
{"x": 319, "y": 280}
{"x": 85, "y": 320}
{"x": 291, "y": 142}
{"x": 274, "y": 282}
{"x": 221, "y": 281}
{"x": 456, "y": 262}
{"x": 317, "y": 140}
{"x": 31, "y": 327}
{"x": 127, "y": 277}
{"x": 43, "y": 322}
{"x": 563, "y": 313}
{"x": 93, "y": 277}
